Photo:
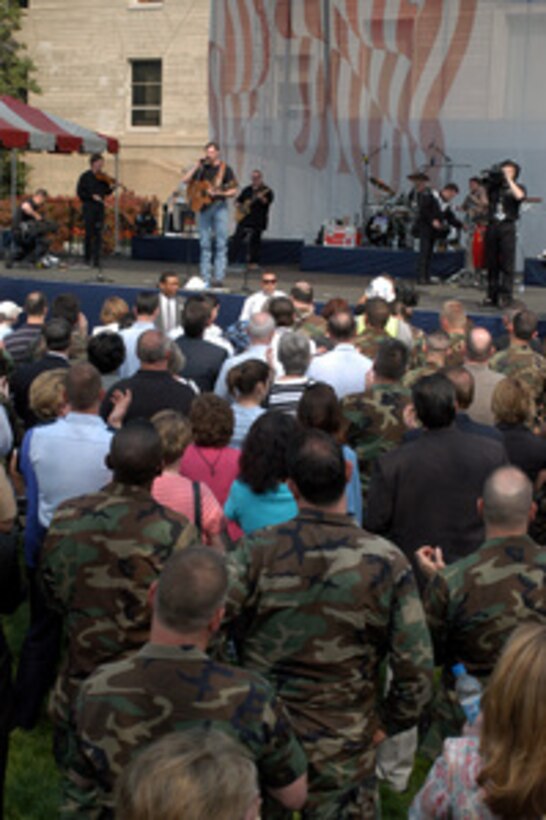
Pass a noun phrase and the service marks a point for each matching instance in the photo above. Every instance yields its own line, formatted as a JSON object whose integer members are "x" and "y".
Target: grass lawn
{"x": 32, "y": 782}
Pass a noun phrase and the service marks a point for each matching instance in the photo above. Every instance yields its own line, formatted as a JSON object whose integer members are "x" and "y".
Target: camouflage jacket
{"x": 472, "y": 606}
{"x": 522, "y": 361}
{"x": 376, "y": 424}
{"x": 315, "y": 605}
{"x": 126, "y": 705}
{"x": 413, "y": 376}
{"x": 314, "y": 326}
{"x": 456, "y": 351}
{"x": 369, "y": 340}
{"x": 101, "y": 554}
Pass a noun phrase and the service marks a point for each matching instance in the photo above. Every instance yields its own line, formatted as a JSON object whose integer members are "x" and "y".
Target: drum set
{"x": 390, "y": 220}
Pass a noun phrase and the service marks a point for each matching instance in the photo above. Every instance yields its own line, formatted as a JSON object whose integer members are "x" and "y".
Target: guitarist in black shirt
{"x": 251, "y": 212}
{"x": 211, "y": 183}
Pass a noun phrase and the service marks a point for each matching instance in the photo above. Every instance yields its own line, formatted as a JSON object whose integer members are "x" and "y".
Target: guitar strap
{"x": 220, "y": 175}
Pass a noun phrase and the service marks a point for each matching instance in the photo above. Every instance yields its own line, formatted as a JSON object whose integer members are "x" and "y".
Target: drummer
{"x": 475, "y": 210}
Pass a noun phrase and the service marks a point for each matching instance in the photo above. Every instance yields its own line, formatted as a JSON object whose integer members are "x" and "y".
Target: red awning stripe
{"x": 32, "y": 128}
{"x": 64, "y": 142}
{"x": 11, "y": 137}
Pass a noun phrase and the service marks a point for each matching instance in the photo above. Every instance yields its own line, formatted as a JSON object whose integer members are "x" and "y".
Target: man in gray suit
{"x": 170, "y": 304}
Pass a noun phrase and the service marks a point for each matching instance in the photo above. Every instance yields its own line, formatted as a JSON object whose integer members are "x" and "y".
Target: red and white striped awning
{"x": 31, "y": 129}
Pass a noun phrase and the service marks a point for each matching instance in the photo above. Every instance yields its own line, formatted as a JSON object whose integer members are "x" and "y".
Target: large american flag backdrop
{"x": 311, "y": 90}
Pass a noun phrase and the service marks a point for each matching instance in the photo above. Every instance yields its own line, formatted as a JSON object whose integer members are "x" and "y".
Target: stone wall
{"x": 83, "y": 52}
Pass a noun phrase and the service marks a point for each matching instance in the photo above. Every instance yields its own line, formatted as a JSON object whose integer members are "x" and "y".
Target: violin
{"x": 108, "y": 180}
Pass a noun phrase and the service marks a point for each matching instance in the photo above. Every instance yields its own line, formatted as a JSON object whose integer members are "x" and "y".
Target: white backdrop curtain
{"x": 306, "y": 89}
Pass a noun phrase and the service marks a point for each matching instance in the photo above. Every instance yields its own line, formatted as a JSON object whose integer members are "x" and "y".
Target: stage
{"x": 360, "y": 261}
{"x": 130, "y": 276}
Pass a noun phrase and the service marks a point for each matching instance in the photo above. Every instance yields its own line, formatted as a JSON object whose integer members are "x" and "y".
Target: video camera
{"x": 493, "y": 177}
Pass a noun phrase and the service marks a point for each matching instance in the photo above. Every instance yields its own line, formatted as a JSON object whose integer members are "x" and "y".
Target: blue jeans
{"x": 213, "y": 219}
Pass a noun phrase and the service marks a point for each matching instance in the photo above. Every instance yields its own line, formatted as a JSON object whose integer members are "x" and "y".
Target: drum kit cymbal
{"x": 390, "y": 222}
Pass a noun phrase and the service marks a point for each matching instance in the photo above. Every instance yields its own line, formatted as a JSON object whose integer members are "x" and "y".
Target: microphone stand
{"x": 366, "y": 159}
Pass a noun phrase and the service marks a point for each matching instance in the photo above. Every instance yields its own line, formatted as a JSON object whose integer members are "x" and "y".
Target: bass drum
{"x": 380, "y": 230}
{"x": 478, "y": 247}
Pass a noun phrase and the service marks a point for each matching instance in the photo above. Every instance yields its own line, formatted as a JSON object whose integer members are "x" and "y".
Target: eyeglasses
{"x": 269, "y": 281}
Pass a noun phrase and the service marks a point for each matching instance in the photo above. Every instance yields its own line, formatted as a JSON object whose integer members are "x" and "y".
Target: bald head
{"x": 341, "y": 326}
{"x": 153, "y": 348}
{"x": 479, "y": 345}
{"x": 135, "y": 453}
{"x": 507, "y": 501}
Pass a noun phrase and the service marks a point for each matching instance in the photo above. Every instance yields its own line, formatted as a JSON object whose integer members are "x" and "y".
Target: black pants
{"x": 426, "y": 246}
{"x": 39, "y": 657}
{"x": 500, "y": 255}
{"x": 93, "y": 219}
{"x": 249, "y": 236}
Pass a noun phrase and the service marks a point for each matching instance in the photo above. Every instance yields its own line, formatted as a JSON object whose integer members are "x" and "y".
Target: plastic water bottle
{"x": 469, "y": 692}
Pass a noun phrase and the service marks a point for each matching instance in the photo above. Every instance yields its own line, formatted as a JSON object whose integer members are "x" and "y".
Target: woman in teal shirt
{"x": 260, "y": 497}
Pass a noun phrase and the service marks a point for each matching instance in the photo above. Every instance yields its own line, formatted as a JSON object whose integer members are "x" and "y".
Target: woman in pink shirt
{"x": 208, "y": 458}
{"x": 194, "y": 499}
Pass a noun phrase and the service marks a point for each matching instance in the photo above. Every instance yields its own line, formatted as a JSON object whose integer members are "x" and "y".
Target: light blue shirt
{"x": 244, "y": 418}
{"x": 353, "y": 491}
{"x": 343, "y": 368}
{"x": 68, "y": 459}
{"x": 130, "y": 338}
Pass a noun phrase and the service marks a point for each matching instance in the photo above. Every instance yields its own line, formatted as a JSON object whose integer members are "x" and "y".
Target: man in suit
{"x": 426, "y": 491}
{"x": 433, "y": 218}
{"x": 170, "y": 303}
{"x": 57, "y": 336}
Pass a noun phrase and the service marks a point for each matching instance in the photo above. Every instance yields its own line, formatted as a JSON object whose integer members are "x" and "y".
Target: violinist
{"x": 93, "y": 188}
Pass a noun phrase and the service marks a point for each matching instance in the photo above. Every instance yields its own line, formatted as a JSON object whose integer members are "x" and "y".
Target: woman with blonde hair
{"x": 501, "y": 774}
{"x": 514, "y": 410}
{"x": 113, "y": 312}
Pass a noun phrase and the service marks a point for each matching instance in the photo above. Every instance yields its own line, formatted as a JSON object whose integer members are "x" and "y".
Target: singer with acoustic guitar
{"x": 251, "y": 213}
{"x": 211, "y": 183}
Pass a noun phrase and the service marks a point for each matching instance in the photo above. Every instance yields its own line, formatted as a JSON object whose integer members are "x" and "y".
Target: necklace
{"x": 211, "y": 466}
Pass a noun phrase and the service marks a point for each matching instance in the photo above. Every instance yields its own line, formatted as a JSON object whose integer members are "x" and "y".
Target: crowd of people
{"x": 246, "y": 555}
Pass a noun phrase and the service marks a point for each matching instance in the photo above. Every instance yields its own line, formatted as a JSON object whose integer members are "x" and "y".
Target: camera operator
{"x": 504, "y": 196}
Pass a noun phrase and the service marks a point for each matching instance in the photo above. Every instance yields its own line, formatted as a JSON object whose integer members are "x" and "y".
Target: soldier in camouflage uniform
{"x": 171, "y": 684}
{"x": 473, "y": 605}
{"x": 375, "y": 418}
{"x": 315, "y": 327}
{"x": 453, "y": 321}
{"x": 101, "y": 554}
{"x": 377, "y": 313}
{"x": 520, "y": 360}
{"x": 436, "y": 349}
{"x": 316, "y": 605}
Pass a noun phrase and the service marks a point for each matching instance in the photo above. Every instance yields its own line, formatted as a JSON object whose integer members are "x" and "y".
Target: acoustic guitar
{"x": 200, "y": 192}
{"x": 243, "y": 209}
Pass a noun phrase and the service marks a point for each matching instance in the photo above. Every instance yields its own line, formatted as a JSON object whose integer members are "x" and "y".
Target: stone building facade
{"x": 133, "y": 69}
